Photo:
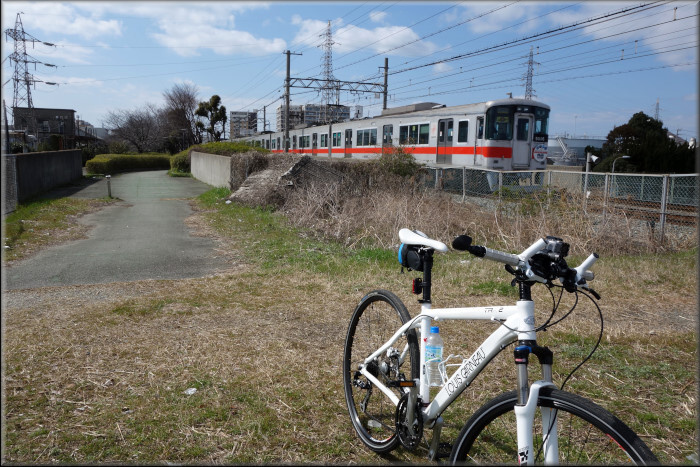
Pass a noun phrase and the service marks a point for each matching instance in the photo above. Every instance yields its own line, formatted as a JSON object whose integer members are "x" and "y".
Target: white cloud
{"x": 41, "y": 18}
{"x": 441, "y": 67}
{"x": 65, "y": 52}
{"x": 645, "y": 28}
{"x": 382, "y": 39}
{"x": 377, "y": 16}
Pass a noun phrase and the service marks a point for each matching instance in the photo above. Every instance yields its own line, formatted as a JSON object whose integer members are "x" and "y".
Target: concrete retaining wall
{"x": 9, "y": 173}
{"x": 38, "y": 172}
{"x": 212, "y": 169}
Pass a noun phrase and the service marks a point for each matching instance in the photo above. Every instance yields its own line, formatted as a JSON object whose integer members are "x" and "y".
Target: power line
{"x": 503, "y": 45}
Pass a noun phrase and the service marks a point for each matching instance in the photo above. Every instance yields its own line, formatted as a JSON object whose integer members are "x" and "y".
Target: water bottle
{"x": 433, "y": 351}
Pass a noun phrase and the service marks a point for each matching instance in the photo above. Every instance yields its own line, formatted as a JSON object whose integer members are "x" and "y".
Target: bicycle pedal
{"x": 444, "y": 451}
{"x": 401, "y": 384}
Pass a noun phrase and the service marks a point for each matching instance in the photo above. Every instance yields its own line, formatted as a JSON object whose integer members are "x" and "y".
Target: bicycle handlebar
{"x": 548, "y": 262}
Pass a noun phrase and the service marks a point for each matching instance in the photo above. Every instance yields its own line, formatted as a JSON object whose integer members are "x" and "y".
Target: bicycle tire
{"x": 588, "y": 434}
{"x": 377, "y": 317}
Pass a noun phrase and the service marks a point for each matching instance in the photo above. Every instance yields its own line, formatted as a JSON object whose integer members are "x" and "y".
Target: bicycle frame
{"x": 517, "y": 323}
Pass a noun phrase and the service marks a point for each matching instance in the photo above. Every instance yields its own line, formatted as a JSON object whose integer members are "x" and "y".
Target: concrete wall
{"x": 38, "y": 172}
{"x": 9, "y": 175}
{"x": 212, "y": 169}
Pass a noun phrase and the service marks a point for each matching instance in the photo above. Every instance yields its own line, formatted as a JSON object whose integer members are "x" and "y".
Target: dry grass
{"x": 98, "y": 374}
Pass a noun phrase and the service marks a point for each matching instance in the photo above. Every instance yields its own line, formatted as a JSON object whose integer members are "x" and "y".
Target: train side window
{"x": 367, "y": 137}
{"x": 403, "y": 135}
{"x": 336, "y": 139}
{"x": 450, "y": 130}
{"x": 324, "y": 140}
{"x": 480, "y": 128}
{"x": 463, "y": 131}
{"x": 424, "y": 134}
{"x": 278, "y": 143}
{"x": 294, "y": 142}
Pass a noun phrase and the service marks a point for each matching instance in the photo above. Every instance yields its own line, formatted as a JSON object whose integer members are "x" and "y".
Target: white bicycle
{"x": 388, "y": 393}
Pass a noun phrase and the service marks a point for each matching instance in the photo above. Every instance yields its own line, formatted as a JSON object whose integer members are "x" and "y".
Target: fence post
{"x": 605, "y": 195}
{"x": 664, "y": 201}
{"x": 464, "y": 183}
{"x": 500, "y": 185}
{"x": 585, "y": 191}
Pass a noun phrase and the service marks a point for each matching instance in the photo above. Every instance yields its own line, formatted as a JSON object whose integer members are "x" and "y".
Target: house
{"x": 51, "y": 125}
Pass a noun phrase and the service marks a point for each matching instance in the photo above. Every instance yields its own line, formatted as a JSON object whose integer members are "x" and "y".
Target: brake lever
{"x": 594, "y": 293}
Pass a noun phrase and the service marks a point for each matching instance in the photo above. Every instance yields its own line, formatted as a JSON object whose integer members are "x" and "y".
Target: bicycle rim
{"x": 378, "y": 316}
{"x": 588, "y": 434}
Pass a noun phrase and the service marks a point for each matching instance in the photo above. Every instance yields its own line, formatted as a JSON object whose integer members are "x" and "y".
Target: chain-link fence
{"x": 658, "y": 200}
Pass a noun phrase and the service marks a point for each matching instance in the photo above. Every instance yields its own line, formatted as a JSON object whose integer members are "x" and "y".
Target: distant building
{"x": 58, "y": 124}
{"x": 296, "y": 116}
{"x": 563, "y": 150}
{"x": 243, "y": 124}
{"x": 314, "y": 114}
{"x": 356, "y": 112}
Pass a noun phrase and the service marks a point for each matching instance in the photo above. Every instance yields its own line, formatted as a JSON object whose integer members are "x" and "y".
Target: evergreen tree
{"x": 646, "y": 142}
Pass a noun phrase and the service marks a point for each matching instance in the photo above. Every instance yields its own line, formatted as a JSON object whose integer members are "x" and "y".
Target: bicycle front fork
{"x": 526, "y": 406}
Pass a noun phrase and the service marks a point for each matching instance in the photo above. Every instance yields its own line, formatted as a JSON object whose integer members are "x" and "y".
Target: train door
{"x": 314, "y": 142}
{"x": 522, "y": 146}
{"x": 479, "y": 140}
{"x": 348, "y": 142}
{"x": 444, "y": 144}
{"x": 387, "y": 135}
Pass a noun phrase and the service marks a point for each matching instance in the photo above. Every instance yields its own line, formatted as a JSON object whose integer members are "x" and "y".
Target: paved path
{"x": 143, "y": 237}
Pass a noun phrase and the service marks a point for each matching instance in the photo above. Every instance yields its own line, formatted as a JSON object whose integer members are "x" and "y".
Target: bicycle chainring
{"x": 408, "y": 441}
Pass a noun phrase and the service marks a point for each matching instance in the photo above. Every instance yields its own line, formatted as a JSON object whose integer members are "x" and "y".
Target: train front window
{"x": 499, "y": 123}
{"x": 541, "y": 121}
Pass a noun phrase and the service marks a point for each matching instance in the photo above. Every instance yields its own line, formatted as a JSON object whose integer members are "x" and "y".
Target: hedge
{"x": 113, "y": 163}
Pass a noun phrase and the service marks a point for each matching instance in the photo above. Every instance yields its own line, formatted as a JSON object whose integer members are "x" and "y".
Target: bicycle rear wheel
{"x": 378, "y": 316}
{"x": 588, "y": 434}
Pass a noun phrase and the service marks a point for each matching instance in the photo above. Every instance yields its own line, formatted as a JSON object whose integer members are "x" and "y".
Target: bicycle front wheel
{"x": 378, "y": 316}
{"x": 588, "y": 434}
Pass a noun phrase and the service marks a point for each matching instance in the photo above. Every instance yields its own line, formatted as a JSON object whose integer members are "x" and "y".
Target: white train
{"x": 506, "y": 134}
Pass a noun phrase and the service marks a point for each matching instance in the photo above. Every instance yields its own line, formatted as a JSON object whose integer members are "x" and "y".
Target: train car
{"x": 506, "y": 134}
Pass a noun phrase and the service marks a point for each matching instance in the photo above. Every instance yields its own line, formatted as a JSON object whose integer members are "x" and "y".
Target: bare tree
{"x": 180, "y": 105}
{"x": 143, "y": 128}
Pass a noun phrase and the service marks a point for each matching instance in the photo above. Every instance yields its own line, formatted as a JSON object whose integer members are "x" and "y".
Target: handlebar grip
{"x": 494, "y": 255}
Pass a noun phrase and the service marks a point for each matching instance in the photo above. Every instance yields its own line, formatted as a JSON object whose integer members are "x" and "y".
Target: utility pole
{"x": 656, "y": 110}
{"x": 529, "y": 92}
{"x": 329, "y": 90}
{"x": 287, "y": 84}
{"x": 23, "y": 80}
{"x": 386, "y": 80}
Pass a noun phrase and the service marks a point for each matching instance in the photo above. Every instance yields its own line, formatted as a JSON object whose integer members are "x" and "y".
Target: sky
{"x": 594, "y": 63}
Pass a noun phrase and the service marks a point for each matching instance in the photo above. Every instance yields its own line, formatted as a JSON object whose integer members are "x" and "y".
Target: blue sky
{"x": 595, "y": 64}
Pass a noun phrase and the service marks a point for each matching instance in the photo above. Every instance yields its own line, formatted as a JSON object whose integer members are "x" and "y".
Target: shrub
{"x": 398, "y": 161}
{"x": 118, "y": 147}
{"x": 225, "y": 148}
{"x": 180, "y": 162}
{"x": 113, "y": 163}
